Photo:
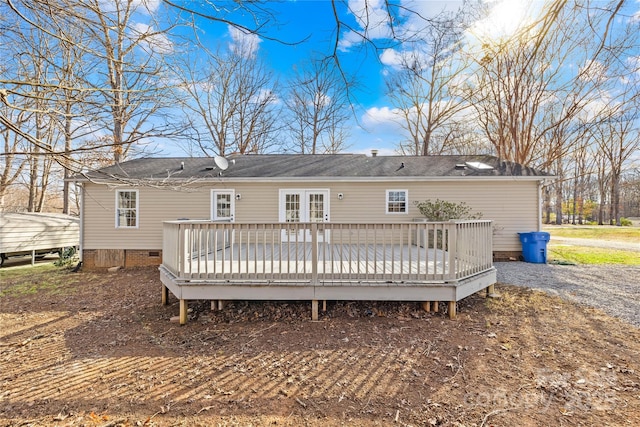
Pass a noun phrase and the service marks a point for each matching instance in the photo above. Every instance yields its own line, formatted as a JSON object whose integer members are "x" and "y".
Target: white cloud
{"x": 158, "y": 42}
{"x": 506, "y": 18}
{"x": 391, "y": 57}
{"x": 266, "y": 95}
{"x": 151, "y": 5}
{"x": 146, "y": 7}
{"x": 371, "y": 15}
{"x": 384, "y": 117}
{"x": 243, "y": 43}
{"x": 634, "y": 63}
{"x": 349, "y": 39}
{"x": 410, "y": 58}
{"x": 430, "y": 9}
{"x": 636, "y": 15}
{"x": 372, "y": 20}
{"x": 596, "y": 107}
{"x": 594, "y": 71}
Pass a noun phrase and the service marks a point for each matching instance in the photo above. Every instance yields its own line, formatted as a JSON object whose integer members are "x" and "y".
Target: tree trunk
{"x": 547, "y": 205}
{"x": 559, "y": 202}
{"x": 66, "y": 161}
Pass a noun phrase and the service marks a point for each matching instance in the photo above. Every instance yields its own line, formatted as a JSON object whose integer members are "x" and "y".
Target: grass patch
{"x": 589, "y": 255}
{"x": 29, "y": 280}
{"x": 601, "y": 232}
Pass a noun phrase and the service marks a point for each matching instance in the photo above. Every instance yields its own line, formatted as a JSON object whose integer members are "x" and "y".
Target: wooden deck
{"x": 393, "y": 262}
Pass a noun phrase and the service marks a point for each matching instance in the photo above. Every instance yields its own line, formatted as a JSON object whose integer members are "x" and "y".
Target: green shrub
{"x": 67, "y": 257}
{"x": 442, "y": 210}
{"x": 625, "y": 222}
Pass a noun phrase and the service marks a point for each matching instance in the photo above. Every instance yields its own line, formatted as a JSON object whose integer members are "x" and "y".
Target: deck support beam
{"x": 165, "y": 295}
{"x": 431, "y": 306}
{"x": 314, "y": 309}
{"x": 217, "y": 304}
{"x": 452, "y": 309}
{"x": 184, "y": 307}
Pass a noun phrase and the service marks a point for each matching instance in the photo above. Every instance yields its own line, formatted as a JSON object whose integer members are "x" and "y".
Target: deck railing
{"x": 327, "y": 252}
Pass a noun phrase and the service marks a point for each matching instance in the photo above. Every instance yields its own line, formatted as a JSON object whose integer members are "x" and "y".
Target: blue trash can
{"x": 534, "y": 246}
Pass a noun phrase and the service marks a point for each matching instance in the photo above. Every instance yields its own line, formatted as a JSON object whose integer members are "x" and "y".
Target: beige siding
{"x": 512, "y": 205}
{"x": 155, "y": 206}
{"x": 20, "y": 232}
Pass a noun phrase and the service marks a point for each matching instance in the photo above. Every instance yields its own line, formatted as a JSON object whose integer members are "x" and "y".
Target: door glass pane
{"x": 292, "y": 208}
{"x": 223, "y": 205}
{"x": 316, "y": 207}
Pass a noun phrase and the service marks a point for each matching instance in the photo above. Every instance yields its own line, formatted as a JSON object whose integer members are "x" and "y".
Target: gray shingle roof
{"x": 325, "y": 166}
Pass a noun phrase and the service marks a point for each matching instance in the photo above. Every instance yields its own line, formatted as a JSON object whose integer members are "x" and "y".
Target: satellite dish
{"x": 221, "y": 162}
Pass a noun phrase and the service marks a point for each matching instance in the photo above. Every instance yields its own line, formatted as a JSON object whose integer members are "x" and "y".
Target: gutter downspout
{"x": 540, "y": 184}
{"x": 81, "y": 248}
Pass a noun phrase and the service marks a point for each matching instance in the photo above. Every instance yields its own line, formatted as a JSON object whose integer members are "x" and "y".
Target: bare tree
{"x": 618, "y": 139}
{"x": 423, "y": 88}
{"x": 12, "y": 164}
{"x": 127, "y": 86}
{"x": 523, "y": 91}
{"x": 231, "y": 102}
{"x": 318, "y": 108}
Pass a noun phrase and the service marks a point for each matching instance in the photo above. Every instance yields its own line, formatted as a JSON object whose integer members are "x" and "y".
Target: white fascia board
{"x": 325, "y": 179}
{"x": 384, "y": 179}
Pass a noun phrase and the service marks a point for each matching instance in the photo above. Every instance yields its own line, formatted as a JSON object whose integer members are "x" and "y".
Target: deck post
{"x": 435, "y": 306}
{"x": 221, "y": 304}
{"x": 33, "y": 257}
{"x": 165, "y": 295}
{"x": 452, "y": 309}
{"x": 491, "y": 289}
{"x": 183, "y": 311}
{"x": 452, "y": 238}
{"x": 214, "y": 305}
{"x": 314, "y": 255}
{"x": 426, "y": 306}
{"x": 324, "y": 305}
{"x": 314, "y": 309}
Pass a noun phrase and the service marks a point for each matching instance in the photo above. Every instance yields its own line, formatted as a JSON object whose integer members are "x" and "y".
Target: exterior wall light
{"x": 340, "y": 196}
{"x": 238, "y": 196}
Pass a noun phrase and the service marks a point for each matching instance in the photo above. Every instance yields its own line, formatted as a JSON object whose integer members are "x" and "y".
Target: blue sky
{"x": 312, "y": 24}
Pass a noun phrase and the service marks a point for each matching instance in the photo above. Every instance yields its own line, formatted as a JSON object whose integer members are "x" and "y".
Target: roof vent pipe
{"x": 374, "y": 153}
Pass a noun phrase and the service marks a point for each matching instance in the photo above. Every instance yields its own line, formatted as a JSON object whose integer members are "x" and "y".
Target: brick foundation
{"x": 99, "y": 259}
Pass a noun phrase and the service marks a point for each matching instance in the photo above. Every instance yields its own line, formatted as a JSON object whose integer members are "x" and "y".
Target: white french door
{"x": 298, "y": 205}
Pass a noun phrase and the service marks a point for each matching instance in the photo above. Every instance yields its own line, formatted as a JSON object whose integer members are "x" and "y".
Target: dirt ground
{"x": 98, "y": 349}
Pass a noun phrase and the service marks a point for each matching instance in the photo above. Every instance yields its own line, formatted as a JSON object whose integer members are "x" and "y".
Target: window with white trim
{"x": 223, "y": 205}
{"x": 127, "y": 208}
{"x": 397, "y": 201}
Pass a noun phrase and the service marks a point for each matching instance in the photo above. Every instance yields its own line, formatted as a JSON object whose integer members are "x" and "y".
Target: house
{"x": 124, "y": 205}
{"x": 127, "y": 208}
{"x": 36, "y": 234}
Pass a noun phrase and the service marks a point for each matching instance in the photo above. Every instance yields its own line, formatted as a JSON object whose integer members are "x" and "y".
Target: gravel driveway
{"x": 615, "y": 289}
